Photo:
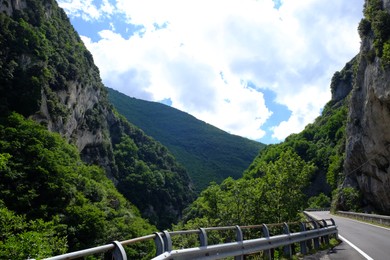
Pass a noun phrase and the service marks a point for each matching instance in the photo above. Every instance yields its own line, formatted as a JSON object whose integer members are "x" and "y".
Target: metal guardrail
{"x": 310, "y": 235}
{"x": 380, "y": 219}
{"x": 317, "y": 209}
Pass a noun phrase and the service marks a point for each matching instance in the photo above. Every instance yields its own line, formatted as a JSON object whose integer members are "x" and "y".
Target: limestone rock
{"x": 367, "y": 163}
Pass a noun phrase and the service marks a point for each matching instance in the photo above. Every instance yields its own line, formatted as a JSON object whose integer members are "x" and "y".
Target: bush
{"x": 350, "y": 199}
{"x": 386, "y": 55}
{"x": 319, "y": 202}
{"x": 364, "y": 27}
{"x": 371, "y": 7}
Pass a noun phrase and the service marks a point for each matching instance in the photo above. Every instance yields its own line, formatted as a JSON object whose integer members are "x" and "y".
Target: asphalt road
{"x": 368, "y": 241}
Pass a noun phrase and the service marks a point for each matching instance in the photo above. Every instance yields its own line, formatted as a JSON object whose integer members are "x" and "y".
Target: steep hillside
{"x": 208, "y": 153}
{"x": 48, "y": 75}
{"x": 52, "y": 202}
{"x": 285, "y": 178}
{"x": 367, "y": 163}
{"x": 322, "y": 142}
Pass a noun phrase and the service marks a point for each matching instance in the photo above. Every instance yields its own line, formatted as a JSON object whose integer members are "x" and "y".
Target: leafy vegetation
{"x": 149, "y": 176}
{"x": 321, "y": 143}
{"x": 319, "y": 202}
{"x": 51, "y": 201}
{"x": 275, "y": 197}
{"x": 208, "y": 153}
{"x": 40, "y": 52}
{"x": 350, "y": 198}
{"x": 48, "y": 74}
{"x": 377, "y": 21}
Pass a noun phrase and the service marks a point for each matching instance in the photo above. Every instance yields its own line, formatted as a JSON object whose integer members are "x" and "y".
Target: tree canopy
{"x": 51, "y": 202}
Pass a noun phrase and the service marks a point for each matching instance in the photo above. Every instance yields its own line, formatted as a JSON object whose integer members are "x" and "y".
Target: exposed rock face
{"x": 341, "y": 84}
{"x": 48, "y": 75}
{"x": 367, "y": 163}
{"x": 73, "y": 102}
{"x": 9, "y": 6}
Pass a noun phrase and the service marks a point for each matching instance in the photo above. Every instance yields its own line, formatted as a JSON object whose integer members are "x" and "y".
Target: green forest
{"x": 208, "y": 153}
{"x": 56, "y": 197}
{"x": 51, "y": 202}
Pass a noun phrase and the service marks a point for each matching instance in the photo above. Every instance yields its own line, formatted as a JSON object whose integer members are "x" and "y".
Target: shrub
{"x": 386, "y": 55}
{"x": 364, "y": 27}
{"x": 350, "y": 198}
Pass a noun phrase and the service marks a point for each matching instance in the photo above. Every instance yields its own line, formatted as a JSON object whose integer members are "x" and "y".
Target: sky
{"x": 260, "y": 69}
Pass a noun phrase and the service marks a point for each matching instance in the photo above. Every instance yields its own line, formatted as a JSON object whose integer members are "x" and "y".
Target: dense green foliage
{"x": 51, "y": 200}
{"x": 149, "y": 176}
{"x": 275, "y": 197}
{"x": 39, "y": 52}
{"x": 208, "y": 153}
{"x": 377, "y": 21}
{"x": 43, "y": 66}
{"x": 321, "y": 143}
{"x": 21, "y": 239}
{"x": 319, "y": 202}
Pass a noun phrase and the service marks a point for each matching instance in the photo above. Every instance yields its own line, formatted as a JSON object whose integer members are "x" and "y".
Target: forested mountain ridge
{"x": 208, "y": 153}
{"x": 47, "y": 74}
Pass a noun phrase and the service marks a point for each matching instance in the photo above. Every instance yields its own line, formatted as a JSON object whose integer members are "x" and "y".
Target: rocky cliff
{"x": 367, "y": 162}
{"x": 67, "y": 100}
{"x": 47, "y": 74}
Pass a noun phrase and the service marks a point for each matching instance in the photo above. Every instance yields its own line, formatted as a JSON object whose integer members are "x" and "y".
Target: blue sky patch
{"x": 280, "y": 113}
{"x": 91, "y": 29}
{"x": 277, "y": 3}
{"x": 166, "y": 101}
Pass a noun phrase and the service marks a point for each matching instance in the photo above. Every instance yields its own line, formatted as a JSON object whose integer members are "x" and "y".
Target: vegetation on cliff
{"x": 47, "y": 74}
{"x": 149, "y": 176}
{"x": 366, "y": 164}
{"x": 376, "y": 24}
{"x": 52, "y": 202}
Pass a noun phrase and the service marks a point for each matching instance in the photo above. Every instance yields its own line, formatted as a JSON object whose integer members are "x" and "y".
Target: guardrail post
{"x": 325, "y": 238}
{"x": 118, "y": 253}
{"x": 239, "y": 238}
{"x": 159, "y": 242}
{"x": 203, "y": 237}
{"x": 303, "y": 243}
{"x": 316, "y": 240}
{"x": 167, "y": 241}
{"x": 334, "y": 224}
{"x": 267, "y": 253}
{"x": 287, "y": 248}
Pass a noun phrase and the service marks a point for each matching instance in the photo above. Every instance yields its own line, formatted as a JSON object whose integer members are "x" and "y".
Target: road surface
{"x": 369, "y": 241}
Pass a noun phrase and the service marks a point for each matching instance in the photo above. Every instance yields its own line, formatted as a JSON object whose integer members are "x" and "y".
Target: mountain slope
{"x": 48, "y": 75}
{"x": 322, "y": 142}
{"x": 51, "y": 201}
{"x": 208, "y": 153}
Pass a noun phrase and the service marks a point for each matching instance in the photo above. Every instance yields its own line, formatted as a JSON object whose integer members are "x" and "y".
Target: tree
{"x": 319, "y": 202}
{"x": 50, "y": 201}
{"x": 284, "y": 183}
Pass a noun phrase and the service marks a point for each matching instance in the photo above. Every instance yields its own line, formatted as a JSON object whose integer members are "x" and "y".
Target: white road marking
{"x": 362, "y": 222}
{"x": 356, "y": 248}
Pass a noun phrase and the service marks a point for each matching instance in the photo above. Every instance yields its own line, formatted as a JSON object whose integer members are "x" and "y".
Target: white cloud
{"x": 87, "y": 9}
{"x": 202, "y": 54}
